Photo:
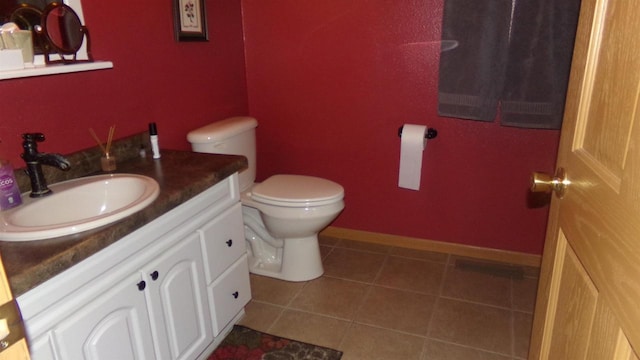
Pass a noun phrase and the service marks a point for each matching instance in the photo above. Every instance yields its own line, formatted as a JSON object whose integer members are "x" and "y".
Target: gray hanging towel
{"x": 471, "y": 75}
{"x": 538, "y": 63}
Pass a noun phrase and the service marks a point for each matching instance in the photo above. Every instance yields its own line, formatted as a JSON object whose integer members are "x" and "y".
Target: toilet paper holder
{"x": 431, "y": 133}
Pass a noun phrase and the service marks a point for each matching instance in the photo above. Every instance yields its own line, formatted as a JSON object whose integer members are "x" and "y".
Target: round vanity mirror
{"x": 63, "y": 33}
{"x": 28, "y": 17}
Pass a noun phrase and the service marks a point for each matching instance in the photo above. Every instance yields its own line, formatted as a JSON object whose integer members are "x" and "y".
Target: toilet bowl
{"x": 289, "y": 248}
{"x": 283, "y": 214}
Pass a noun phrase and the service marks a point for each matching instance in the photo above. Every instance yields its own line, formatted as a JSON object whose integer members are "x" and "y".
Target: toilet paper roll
{"x": 412, "y": 145}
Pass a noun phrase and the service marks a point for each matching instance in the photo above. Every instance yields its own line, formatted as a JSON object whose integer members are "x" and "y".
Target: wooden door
{"x": 17, "y": 350}
{"x": 588, "y": 304}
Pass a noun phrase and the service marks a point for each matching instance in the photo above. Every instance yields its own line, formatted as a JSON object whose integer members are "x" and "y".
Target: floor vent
{"x": 497, "y": 269}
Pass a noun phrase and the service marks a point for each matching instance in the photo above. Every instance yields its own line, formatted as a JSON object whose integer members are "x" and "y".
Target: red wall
{"x": 331, "y": 81}
{"x": 180, "y": 86}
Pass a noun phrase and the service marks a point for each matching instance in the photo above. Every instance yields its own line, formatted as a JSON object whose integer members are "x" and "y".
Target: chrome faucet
{"x": 34, "y": 161}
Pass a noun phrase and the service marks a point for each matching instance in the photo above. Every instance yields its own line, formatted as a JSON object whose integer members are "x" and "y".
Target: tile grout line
{"x": 428, "y": 337}
{"x": 370, "y": 286}
{"x": 476, "y": 303}
{"x": 287, "y": 306}
{"x": 513, "y": 320}
{"x": 475, "y": 349}
{"x": 351, "y": 321}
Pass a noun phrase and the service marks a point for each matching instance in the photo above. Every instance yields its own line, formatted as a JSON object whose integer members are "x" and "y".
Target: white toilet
{"x": 283, "y": 214}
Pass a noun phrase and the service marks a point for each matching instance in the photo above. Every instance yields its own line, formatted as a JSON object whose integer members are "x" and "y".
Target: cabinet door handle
{"x": 154, "y": 275}
{"x": 141, "y": 285}
{"x": 235, "y": 295}
{"x": 229, "y": 242}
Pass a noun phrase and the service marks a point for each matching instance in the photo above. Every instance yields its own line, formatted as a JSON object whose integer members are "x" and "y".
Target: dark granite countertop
{"x": 181, "y": 175}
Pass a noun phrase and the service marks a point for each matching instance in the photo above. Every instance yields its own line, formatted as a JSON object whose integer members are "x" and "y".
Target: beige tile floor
{"x": 382, "y": 302}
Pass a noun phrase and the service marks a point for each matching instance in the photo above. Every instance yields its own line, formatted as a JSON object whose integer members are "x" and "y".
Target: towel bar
{"x": 431, "y": 133}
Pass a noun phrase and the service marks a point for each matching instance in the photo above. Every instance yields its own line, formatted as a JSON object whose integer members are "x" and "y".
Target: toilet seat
{"x": 297, "y": 191}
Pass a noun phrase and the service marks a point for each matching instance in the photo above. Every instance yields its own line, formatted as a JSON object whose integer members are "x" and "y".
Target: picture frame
{"x": 190, "y": 20}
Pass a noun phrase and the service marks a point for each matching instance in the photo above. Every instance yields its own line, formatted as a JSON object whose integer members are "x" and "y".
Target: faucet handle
{"x": 30, "y": 144}
{"x": 33, "y": 137}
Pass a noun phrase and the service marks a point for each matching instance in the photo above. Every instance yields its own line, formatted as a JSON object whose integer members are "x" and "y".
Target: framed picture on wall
{"x": 190, "y": 20}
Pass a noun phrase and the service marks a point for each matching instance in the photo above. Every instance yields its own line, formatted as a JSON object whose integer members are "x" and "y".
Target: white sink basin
{"x": 78, "y": 205}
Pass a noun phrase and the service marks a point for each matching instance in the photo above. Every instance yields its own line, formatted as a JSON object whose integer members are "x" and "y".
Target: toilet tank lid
{"x": 221, "y": 130}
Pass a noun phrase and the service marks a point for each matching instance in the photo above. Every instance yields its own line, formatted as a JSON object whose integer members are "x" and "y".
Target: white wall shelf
{"x": 42, "y": 70}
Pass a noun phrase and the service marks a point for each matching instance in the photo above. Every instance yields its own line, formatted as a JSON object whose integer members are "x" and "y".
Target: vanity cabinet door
{"x": 115, "y": 325}
{"x": 177, "y": 301}
{"x": 42, "y": 348}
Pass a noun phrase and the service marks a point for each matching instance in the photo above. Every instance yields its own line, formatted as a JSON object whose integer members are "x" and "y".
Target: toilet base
{"x": 300, "y": 261}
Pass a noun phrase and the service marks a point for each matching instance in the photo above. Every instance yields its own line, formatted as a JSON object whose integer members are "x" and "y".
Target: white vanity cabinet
{"x": 169, "y": 290}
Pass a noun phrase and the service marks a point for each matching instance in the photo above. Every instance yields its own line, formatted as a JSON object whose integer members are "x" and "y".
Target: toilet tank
{"x": 235, "y": 136}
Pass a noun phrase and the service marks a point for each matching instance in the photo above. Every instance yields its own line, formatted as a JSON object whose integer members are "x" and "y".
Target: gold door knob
{"x": 542, "y": 182}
